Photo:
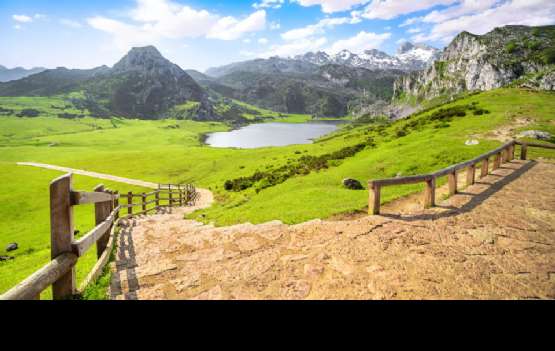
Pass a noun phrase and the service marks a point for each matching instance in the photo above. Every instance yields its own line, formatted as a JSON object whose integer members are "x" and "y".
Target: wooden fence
{"x": 505, "y": 153}
{"x": 66, "y": 250}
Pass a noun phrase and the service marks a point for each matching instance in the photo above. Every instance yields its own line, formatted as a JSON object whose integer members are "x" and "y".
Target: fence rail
{"x": 500, "y": 155}
{"x": 66, "y": 250}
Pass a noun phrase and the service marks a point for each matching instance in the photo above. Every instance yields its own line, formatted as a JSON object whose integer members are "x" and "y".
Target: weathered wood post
{"x": 485, "y": 168}
{"x": 430, "y": 193}
{"x": 101, "y": 212}
{"x": 523, "y": 152}
{"x": 116, "y": 203}
{"x": 471, "y": 175}
{"x": 180, "y": 195}
{"x": 61, "y": 233}
{"x": 512, "y": 152}
{"x": 171, "y": 195}
{"x": 130, "y": 203}
{"x": 374, "y": 198}
{"x": 157, "y": 197}
{"x": 497, "y": 162}
{"x": 143, "y": 198}
{"x": 452, "y": 183}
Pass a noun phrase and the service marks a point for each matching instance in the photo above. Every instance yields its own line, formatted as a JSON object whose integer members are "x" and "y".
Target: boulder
{"x": 352, "y": 184}
{"x": 6, "y": 258}
{"x": 472, "y": 142}
{"x": 11, "y": 247}
{"x": 536, "y": 134}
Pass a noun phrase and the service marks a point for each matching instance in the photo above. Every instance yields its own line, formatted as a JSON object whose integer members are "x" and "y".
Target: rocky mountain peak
{"x": 405, "y": 47}
{"x": 484, "y": 62}
{"x": 146, "y": 58}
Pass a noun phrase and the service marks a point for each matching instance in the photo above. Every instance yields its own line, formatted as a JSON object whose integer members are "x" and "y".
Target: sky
{"x": 199, "y": 34}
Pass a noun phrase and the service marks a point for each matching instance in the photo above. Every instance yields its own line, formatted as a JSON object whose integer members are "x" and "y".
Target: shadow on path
{"x": 475, "y": 200}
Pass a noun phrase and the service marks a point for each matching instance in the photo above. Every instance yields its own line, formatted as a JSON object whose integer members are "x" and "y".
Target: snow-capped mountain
{"x": 409, "y": 57}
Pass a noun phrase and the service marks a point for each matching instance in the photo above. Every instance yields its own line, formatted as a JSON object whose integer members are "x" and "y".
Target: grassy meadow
{"x": 170, "y": 151}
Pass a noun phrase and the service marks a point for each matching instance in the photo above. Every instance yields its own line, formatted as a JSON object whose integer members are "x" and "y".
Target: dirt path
{"x": 91, "y": 174}
{"x": 495, "y": 240}
{"x": 206, "y": 197}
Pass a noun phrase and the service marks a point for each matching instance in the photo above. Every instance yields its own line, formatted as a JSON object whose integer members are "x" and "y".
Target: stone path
{"x": 92, "y": 174}
{"x": 495, "y": 240}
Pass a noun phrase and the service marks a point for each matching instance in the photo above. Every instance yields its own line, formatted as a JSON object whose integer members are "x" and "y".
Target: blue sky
{"x": 200, "y": 34}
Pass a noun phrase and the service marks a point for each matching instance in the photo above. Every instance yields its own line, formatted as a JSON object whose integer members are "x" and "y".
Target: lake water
{"x": 272, "y": 134}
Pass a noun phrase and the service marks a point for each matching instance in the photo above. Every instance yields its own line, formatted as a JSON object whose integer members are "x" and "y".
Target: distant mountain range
{"x": 7, "y": 74}
{"x": 144, "y": 84}
{"x": 409, "y": 57}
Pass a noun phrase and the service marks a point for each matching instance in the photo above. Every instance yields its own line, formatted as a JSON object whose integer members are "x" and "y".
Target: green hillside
{"x": 293, "y": 184}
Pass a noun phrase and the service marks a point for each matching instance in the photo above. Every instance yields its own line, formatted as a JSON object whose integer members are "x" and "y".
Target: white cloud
{"x": 332, "y": 6}
{"x": 164, "y": 19}
{"x": 230, "y": 28}
{"x": 22, "y": 18}
{"x": 316, "y": 29}
{"x": 275, "y": 25}
{"x": 70, "y": 23}
{"x": 414, "y": 30}
{"x": 17, "y": 27}
{"x": 465, "y": 7}
{"x": 39, "y": 16}
{"x": 296, "y": 47}
{"x": 360, "y": 42}
{"x": 390, "y": 9}
{"x": 515, "y": 12}
{"x": 263, "y": 41}
{"x": 273, "y": 4}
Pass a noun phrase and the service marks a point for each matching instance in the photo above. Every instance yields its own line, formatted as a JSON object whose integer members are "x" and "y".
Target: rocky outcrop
{"x": 472, "y": 62}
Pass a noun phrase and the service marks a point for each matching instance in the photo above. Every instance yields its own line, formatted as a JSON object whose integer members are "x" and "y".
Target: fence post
{"x": 171, "y": 195}
{"x": 523, "y": 152}
{"x": 157, "y": 196}
{"x": 130, "y": 203}
{"x": 471, "y": 175}
{"x": 180, "y": 196}
{"x": 430, "y": 193}
{"x": 116, "y": 204}
{"x": 374, "y": 198}
{"x": 512, "y": 152}
{"x": 101, "y": 212}
{"x": 485, "y": 168}
{"x": 497, "y": 161}
{"x": 143, "y": 197}
{"x": 453, "y": 183}
{"x": 61, "y": 232}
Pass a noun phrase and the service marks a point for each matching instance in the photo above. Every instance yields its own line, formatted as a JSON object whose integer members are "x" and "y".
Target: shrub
{"x": 511, "y": 47}
{"x": 28, "y": 112}
{"x": 549, "y": 56}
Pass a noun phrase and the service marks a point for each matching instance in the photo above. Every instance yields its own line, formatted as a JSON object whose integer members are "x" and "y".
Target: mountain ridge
{"x": 11, "y": 74}
{"x": 498, "y": 58}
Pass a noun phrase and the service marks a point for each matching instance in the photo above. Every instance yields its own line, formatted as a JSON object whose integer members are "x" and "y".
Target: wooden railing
{"x": 66, "y": 250}
{"x": 500, "y": 155}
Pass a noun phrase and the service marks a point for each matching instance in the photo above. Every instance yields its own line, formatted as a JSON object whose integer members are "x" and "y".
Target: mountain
{"x": 7, "y": 74}
{"x": 272, "y": 65}
{"x": 409, "y": 57}
{"x": 295, "y": 86}
{"x": 143, "y": 84}
{"x": 510, "y": 54}
{"x": 50, "y": 82}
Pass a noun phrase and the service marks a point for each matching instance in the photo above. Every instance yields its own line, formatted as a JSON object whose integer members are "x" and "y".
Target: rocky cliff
{"x": 472, "y": 62}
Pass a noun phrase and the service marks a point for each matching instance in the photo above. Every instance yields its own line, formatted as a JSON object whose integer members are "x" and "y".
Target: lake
{"x": 272, "y": 134}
